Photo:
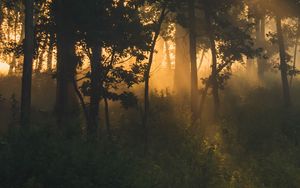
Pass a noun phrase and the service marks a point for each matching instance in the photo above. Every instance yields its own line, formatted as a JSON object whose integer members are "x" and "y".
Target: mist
{"x": 128, "y": 93}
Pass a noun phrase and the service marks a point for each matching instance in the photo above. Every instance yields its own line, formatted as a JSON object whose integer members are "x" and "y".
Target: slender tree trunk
{"x": 10, "y": 55}
{"x": 16, "y": 27}
{"x": 201, "y": 59}
{"x": 12, "y": 65}
{"x": 22, "y": 30}
{"x": 203, "y": 98}
{"x": 260, "y": 40}
{"x": 1, "y": 14}
{"x": 27, "y": 66}
{"x": 13, "y": 62}
{"x": 250, "y": 63}
{"x": 283, "y": 63}
{"x": 193, "y": 58}
{"x": 168, "y": 56}
{"x": 147, "y": 77}
{"x": 40, "y": 60}
{"x": 81, "y": 99}
{"x": 250, "y": 66}
{"x": 95, "y": 91}
{"x": 146, "y": 92}
{"x": 214, "y": 74}
{"x": 295, "y": 52}
{"x": 107, "y": 120}
{"x": 50, "y": 53}
{"x": 206, "y": 88}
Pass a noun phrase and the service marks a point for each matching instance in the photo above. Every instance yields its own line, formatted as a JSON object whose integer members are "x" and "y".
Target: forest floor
{"x": 254, "y": 144}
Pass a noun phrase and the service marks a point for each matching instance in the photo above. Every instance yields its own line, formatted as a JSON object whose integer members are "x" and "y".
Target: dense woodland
{"x": 149, "y": 93}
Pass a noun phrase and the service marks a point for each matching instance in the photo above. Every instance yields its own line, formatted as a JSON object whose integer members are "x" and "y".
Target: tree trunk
{"x": 147, "y": 77}
{"x": 50, "y": 53}
{"x": 27, "y": 66}
{"x": 66, "y": 101}
{"x": 16, "y": 27}
{"x": 146, "y": 92}
{"x": 107, "y": 120}
{"x": 201, "y": 59}
{"x": 283, "y": 63}
{"x": 12, "y": 65}
{"x": 95, "y": 91}
{"x": 214, "y": 74}
{"x": 1, "y": 14}
{"x": 168, "y": 56}
{"x": 22, "y": 31}
{"x": 202, "y": 100}
{"x": 182, "y": 66}
{"x": 260, "y": 40}
{"x": 40, "y": 59}
{"x": 295, "y": 52}
{"x": 250, "y": 66}
{"x": 82, "y": 102}
{"x": 193, "y": 58}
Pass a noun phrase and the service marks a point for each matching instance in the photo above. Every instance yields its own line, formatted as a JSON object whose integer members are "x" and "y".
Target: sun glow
{"x": 4, "y": 67}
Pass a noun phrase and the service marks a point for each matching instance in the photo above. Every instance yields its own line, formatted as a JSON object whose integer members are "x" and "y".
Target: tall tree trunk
{"x": 40, "y": 59}
{"x": 10, "y": 55}
{"x": 250, "y": 66}
{"x": 50, "y": 53}
{"x": 146, "y": 92}
{"x": 12, "y": 65}
{"x": 1, "y": 14}
{"x": 193, "y": 58}
{"x": 295, "y": 52}
{"x": 201, "y": 59}
{"x": 95, "y": 91}
{"x": 107, "y": 120}
{"x": 214, "y": 74}
{"x": 261, "y": 40}
{"x": 16, "y": 27}
{"x": 27, "y": 66}
{"x": 182, "y": 65}
{"x": 66, "y": 102}
{"x": 81, "y": 99}
{"x": 283, "y": 63}
{"x": 250, "y": 63}
{"x": 168, "y": 56}
{"x": 22, "y": 30}
{"x": 147, "y": 77}
{"x": 13, "y": 62}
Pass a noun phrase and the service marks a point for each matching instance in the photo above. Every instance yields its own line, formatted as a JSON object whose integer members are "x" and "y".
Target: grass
{"x": 255, "y": 144}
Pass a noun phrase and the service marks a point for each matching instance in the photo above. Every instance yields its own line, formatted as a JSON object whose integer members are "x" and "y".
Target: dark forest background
{"x": 149, "y": 93}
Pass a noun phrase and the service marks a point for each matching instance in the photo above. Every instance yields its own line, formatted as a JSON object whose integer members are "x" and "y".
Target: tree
{"x": 214, "y": 73}
{"x": 283, "y": 63}
{"x": 156, "y": 31}
{"x": 27, "y": 66}
{"x": 193, "y": 58}
{"x": 228, "y": 36}
{"x": 257, "y": 15}
{"x": 66, "y": 102}
{"x": 281, "y": 10}
{"x": 182, "y": 68}
{"x": 50, "y": 52}
{"x": 110, "y": 35}
{"x": 294, "y": 71}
